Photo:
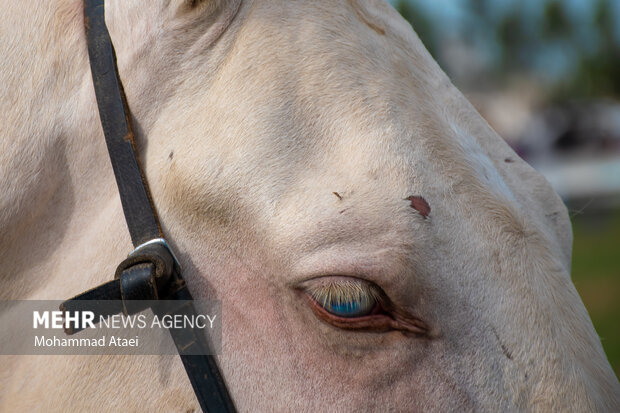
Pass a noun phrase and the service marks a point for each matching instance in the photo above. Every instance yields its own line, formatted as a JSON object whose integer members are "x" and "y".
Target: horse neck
{"x": 53, "y": 162}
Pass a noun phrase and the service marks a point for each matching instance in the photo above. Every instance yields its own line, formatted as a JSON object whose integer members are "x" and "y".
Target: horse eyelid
{"x": 344, "y": 292}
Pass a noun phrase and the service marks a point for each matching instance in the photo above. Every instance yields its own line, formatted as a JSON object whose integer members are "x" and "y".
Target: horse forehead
{"x": 338, "y": 97}
{"x": 341, "y": 76}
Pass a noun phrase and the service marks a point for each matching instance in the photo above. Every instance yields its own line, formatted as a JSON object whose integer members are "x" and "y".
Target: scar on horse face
{"x": 419, "y": 204}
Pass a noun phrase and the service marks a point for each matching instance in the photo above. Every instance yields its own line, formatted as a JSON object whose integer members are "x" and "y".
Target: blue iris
{"x": 357, "y": 308}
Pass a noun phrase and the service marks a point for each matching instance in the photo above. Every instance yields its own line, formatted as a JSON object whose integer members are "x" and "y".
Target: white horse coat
{"x": 289, "y": 144}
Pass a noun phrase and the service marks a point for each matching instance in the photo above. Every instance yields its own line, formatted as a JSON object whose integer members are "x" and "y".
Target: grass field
{"x": 596, "y": 274}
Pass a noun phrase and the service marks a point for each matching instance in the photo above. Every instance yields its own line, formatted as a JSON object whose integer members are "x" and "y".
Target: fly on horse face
{"x": 376, "y": 246}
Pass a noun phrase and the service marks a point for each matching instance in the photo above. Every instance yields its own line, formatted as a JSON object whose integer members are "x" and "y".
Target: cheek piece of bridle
{"x": 151, "y": 272}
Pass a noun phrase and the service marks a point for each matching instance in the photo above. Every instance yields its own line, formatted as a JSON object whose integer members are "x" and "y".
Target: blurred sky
{"x": 552, "y": 59}
{"x": 456, "y": 12}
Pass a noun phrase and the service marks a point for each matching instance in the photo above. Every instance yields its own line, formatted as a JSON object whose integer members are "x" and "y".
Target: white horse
{"x": 294, "y": 149}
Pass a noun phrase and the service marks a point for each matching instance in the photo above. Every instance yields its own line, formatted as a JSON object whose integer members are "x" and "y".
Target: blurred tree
{"x": 556, "y": 23}
{"x": 570, "y": 67}
{"x": 421, "y": 22}
{"x": 513, "y": 43}
{"x": 598, "y": 72}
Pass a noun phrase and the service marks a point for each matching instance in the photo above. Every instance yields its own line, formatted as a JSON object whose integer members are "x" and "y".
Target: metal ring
{"x": 162, "y": 242}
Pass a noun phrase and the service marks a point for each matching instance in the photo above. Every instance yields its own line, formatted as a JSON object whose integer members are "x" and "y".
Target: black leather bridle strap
{"x": 116, "y": 122}
{"x": 151, "y": 271}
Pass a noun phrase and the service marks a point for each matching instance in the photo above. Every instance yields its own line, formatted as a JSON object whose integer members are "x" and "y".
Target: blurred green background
{"x": 546, "y": 75}
{"x": 596, "y": 252}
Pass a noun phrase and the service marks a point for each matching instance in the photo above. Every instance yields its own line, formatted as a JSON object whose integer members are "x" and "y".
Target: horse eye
{"x": 354, "y": 307}
{"x": 345, "y": 298}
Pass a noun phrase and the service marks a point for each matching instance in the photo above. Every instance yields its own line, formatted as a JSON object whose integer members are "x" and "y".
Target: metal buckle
{"x": 162, "y": 242}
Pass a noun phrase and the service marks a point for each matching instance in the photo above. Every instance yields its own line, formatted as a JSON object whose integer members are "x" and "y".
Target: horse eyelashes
{"x": 345, "y": 298}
